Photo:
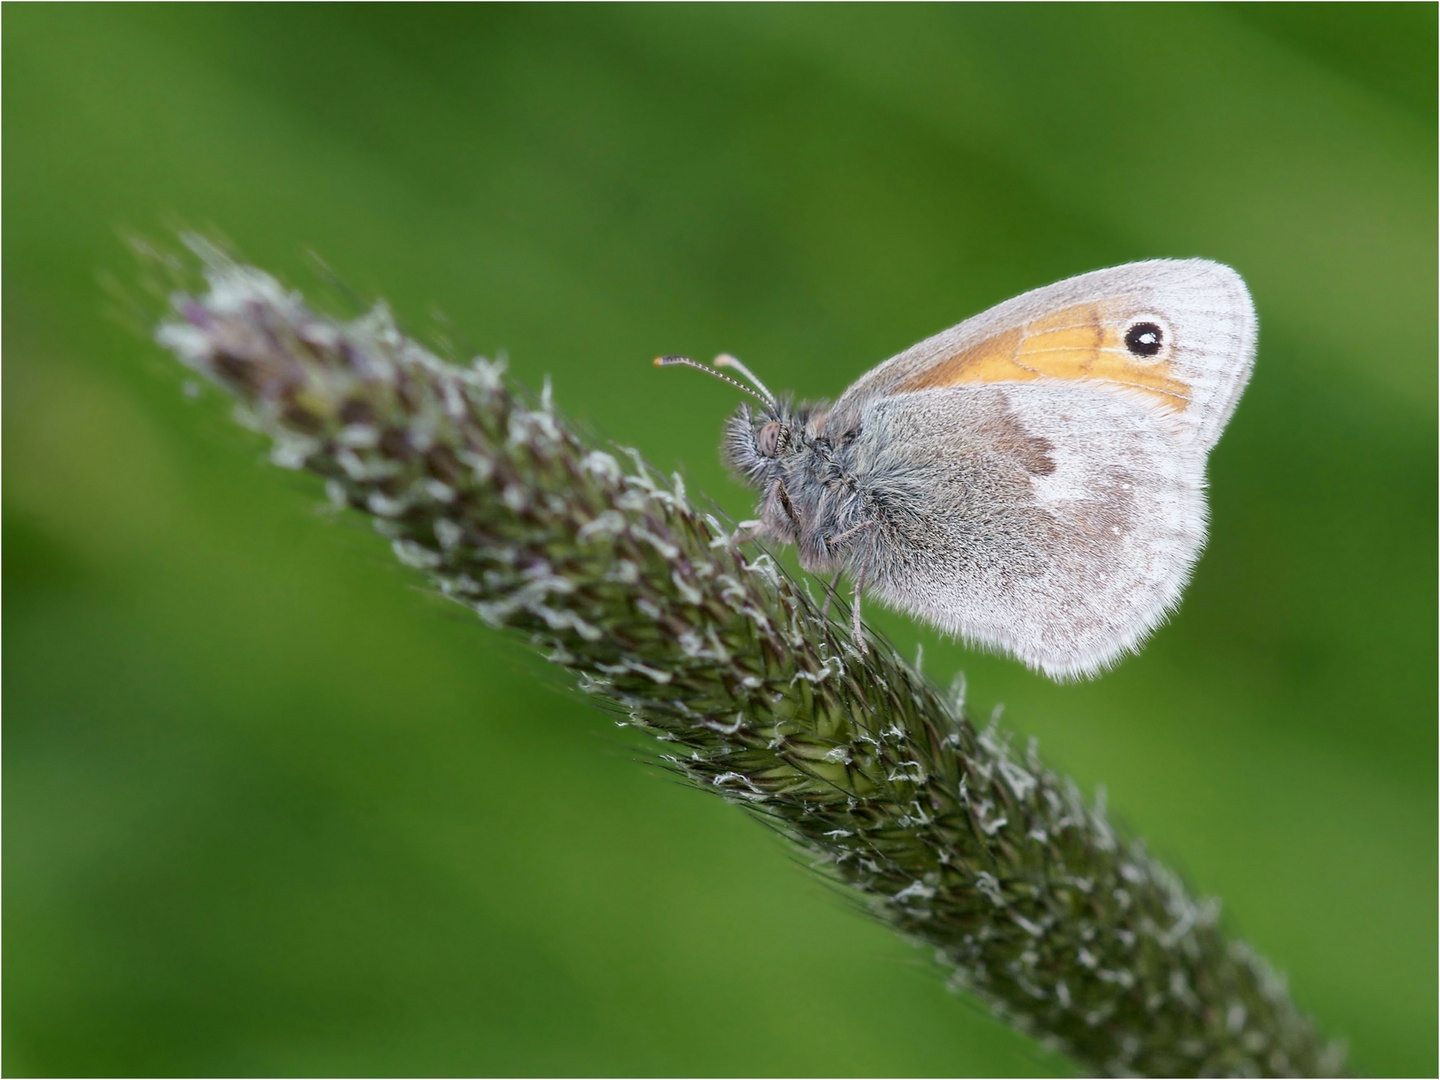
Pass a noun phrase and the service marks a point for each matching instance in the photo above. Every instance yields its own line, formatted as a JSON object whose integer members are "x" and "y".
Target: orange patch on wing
{"x": 1081, "y": 342}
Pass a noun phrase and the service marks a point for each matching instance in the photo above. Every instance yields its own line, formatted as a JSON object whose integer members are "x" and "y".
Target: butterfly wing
{"x": 1054, "y": 522}
{"x": 1038, "y": 470}
{"x": 1174, "y": 336}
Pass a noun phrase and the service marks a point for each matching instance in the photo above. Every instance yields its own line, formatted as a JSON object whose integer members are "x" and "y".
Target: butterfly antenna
{"x": 726, "y": 360}
{"x": 685, "y": 361}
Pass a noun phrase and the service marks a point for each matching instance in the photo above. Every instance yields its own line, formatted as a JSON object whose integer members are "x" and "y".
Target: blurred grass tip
{"x": 1063, "y": 926}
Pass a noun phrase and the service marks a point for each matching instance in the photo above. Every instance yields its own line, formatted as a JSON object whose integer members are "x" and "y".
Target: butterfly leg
{"x": 745, "y": 531}
{"x": 855, "y": 628}
{"x": 840, "y": 538}
{"x": 848, "y": 533}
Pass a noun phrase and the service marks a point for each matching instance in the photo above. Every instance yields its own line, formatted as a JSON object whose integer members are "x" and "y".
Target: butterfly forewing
{"x": 1177, "y": 336}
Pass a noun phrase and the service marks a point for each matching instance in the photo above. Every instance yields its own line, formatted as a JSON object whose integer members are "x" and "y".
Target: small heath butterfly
{"x": 1032, "y": 480}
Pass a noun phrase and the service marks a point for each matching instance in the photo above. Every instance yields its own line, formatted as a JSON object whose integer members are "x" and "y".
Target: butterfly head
{"x": 756, "y": 442}
{"x": 761, "y": 443}
{"x": 777, "y": 448}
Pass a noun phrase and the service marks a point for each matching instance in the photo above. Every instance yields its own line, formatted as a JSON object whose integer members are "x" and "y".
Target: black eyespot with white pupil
{"x": 1144, "y": 339}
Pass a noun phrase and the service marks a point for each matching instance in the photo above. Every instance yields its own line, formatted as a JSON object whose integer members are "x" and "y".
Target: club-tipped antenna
{"x": 726, "y": 360}
{"x": 685, "y": 361}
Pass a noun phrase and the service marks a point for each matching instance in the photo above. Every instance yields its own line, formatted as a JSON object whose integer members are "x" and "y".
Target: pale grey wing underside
{"x": 1054, "y": 522}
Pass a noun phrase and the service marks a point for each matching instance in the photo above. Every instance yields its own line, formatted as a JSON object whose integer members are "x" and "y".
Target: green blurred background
{"x": 272, "y": 808}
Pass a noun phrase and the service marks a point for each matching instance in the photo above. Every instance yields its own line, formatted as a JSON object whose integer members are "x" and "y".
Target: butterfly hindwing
{"x": 1055, "y": 523}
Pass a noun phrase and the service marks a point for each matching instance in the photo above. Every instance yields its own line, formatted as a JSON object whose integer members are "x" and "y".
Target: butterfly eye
{"x": 1144, "y": 338}
{"x": 768, "y": 440}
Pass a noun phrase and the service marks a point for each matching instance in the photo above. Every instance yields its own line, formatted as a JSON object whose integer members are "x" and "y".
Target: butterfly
{"x": 1031, "y": 480}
